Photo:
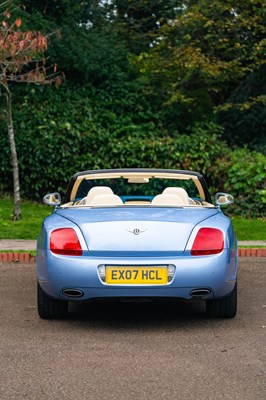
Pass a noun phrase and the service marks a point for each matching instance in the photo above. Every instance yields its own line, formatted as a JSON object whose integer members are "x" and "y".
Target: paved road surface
{"x": 132, "y": 351}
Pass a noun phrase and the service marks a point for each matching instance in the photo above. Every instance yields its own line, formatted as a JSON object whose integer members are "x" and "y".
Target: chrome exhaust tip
{"x": 73, "y": 293}
{"x": 199, "y": 293}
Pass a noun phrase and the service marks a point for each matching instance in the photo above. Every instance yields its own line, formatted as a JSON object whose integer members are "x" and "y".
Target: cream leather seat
{"x": 179, "y": 192}
{"x": 171, "y": 200}
{"x": 106, "y": 200}
{"x": 96, "y": 191}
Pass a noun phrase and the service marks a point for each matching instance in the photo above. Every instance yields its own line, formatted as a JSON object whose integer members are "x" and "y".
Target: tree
{"x": 138, "y": 23}
{"x": 204, "y": 55}
{"x": 244, "y": 119}
{"x": 22, "y": 60}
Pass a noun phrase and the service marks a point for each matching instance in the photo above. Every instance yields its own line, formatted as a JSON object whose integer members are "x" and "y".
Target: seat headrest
{"x": 106, "y": 200}
{"x": 179, "y": 192}
{"x": 95, "y": 191}
{"x": 167, "y": 200}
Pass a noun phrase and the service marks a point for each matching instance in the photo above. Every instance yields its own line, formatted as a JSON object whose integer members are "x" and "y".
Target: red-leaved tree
{"x": 22, "y": 59}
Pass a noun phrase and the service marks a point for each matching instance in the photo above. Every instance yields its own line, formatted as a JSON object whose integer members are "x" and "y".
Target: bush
{"x": 246, "y": 179}
{"x": 60, "y": 133}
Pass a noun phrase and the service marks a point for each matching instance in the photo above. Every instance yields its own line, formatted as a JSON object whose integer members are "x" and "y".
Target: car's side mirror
{"x": 52, "y": 199}
{"x": 223, "y": 199}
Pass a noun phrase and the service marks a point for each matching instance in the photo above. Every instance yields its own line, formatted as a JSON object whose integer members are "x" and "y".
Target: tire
{"x": 49, "y": 308}
{"x": 223, "y": 308}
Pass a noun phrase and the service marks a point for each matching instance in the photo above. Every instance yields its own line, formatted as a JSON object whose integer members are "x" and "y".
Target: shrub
{"x": 246, "y": 179}
{"x": 60, "y": 133}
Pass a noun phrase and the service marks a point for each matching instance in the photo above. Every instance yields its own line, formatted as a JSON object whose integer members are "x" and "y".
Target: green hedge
{"x": 63, "y": 132}
{"x": 246, "y": 178}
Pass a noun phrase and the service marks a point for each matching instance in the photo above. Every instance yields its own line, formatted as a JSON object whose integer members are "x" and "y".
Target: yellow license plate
{"x": 136, "y": 275}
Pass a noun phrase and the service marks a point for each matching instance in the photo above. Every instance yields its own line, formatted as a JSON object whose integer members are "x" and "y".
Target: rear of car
{"x": 136, "y": 251}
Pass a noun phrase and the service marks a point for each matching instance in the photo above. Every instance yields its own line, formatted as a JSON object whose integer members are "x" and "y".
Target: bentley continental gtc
{"x": 137, "y": 234}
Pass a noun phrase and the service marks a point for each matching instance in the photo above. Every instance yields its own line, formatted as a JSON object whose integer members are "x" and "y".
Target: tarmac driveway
{"x": 132, "y": 351}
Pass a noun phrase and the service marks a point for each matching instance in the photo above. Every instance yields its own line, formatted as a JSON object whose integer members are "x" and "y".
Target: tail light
{"x": 208, "y": 241}
{"x": 65, "y": 241}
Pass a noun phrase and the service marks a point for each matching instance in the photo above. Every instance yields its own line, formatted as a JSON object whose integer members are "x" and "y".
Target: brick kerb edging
{"x": 27, "y": 258}
{"x": 252, "y": 252}
{"x": 17, "y": 257}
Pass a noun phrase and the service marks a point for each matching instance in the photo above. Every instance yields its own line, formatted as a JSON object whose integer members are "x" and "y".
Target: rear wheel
{"x": 49, "y": 308}
{"x": 223, "y": 308}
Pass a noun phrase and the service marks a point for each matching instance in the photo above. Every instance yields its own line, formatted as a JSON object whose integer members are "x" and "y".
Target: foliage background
{"x": 159, "y": 84}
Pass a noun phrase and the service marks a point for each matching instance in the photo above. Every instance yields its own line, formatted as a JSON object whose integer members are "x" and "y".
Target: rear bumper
{"x": 215, "y": 272}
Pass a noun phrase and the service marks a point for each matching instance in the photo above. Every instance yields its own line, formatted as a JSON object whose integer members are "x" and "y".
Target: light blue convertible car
{"x": 137, "y": 234}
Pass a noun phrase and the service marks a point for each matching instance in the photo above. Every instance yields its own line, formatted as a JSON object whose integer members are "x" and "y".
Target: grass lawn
{"x": 34, "y": 213}
{"x": 30, "y": 224}
{"x": 249, "y": 229}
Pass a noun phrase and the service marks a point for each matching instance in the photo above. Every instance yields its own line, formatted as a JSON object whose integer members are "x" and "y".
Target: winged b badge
{"x": 136, "y": 231}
